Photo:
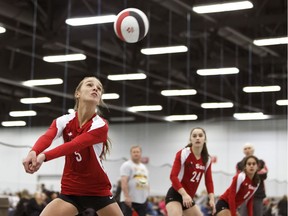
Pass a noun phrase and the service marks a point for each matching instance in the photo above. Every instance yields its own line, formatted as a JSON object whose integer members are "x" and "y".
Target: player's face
{"x": 251, "y": 166}
{"x": 136, "y": 154}
{"x": 197, "y": 137}
{"x": 248, "y": 150}
{"x": 91, "y": 90}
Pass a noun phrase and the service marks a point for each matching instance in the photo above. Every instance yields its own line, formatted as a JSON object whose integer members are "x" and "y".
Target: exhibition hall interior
{"x": 256, "y": 84}
{"x": 166, "y": 66}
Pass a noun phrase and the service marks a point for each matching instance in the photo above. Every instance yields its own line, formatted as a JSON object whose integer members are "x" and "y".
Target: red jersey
{"x": 187, "y": 172}
{"x": 83, "y": 174}
{"x": 240, "y": 190}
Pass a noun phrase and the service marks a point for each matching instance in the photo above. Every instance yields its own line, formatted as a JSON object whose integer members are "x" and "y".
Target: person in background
{"x": 134, "y": 184}
{"x": 84, "y": 182}
{"x": 21, "y": 207}
{"x": 242, "y": 188}
{"x": 260, "y": 194}
{"x": 36, "y": 204}
{"x": 190, "y": 164}
{"x": 282, "y": 206}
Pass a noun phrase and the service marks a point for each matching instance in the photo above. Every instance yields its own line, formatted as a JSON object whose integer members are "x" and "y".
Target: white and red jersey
{"x": 187, "y": 172}
{"x": 240, "y": 190}
{"x": 83, "y": 173}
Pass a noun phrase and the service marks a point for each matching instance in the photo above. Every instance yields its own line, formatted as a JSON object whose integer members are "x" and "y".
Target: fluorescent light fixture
{"x": 271, "y": 41}
{"x": 181, "y": 117}
{"x": 217, "y": 71}
{"x": 178, "y": 92}
{"x": 283, "y": 102}
{"x": 164, "y": 50}
{"x": 254, "y": 89}
{"x": 217, "y": 105}
{"x": 64, "y": 58}
{"x": 145, "y": 108}
{"x": 110, "y": 96}
{"x": 222, "y": 7}
{"x": 22, "y": 113}
{"x": 122, "y": 119}
{"x": 42, "y": 82}
{"x": 90, "y": 20}
{"x": 250, "y": 116}
{"x": 132, "y": 76}
{"x": 2, "y": 30}
{"x": 13, "y": 123}
{"x": 35, "y": 100}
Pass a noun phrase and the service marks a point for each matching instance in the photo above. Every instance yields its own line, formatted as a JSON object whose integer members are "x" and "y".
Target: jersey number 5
{"x": 78, "y": 156}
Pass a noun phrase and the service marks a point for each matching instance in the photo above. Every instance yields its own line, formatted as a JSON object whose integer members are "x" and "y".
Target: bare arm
{"x": 125, "y": 189}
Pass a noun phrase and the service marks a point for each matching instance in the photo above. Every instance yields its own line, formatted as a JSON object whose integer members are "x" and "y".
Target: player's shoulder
{"x": 64, "y": 119}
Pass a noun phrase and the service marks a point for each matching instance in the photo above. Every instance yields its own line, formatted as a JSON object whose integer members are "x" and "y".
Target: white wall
{"x": 159, "y": 141}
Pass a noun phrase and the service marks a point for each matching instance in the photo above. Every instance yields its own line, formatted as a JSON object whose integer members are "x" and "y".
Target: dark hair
{"x": 256, "y": 178}
{"x": 204, "y": 152}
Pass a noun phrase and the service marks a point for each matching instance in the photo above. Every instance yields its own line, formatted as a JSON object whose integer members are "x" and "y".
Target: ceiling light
{"x": 145, "y": 108}
{"x": 35, "y": 100}
{"x": 222, "y": 7}
{"x": 217, "y": 105}
{"x": 271, "y": 41}
{"x": 110, "y": 96}
{"x": 90, "y": 20}
{"x": 181, "y": 117}
{"x": 2, "y": 30}
{"x": 22, "y": 113}
{"x": 164, "y": 50}
{"x": 41, "y": 82}
{"x": 64, "y": 58}
{"x": 133, "y": 76}
{"x": 122, "y": 119}
{"x": 253, "y": 89}
{"x": 178, "y": 92}
{"x": 217, "y": 71}
{"x": 283, "y": 102}
{"x": 250, "y": 116}
{"x": 13, "y": 123}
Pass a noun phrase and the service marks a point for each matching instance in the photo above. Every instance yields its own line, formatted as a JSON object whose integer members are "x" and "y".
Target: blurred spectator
{"x": 21, "y": 208}
{"x": 151, "y": 208}
{"x": 282, "y": 206}
{"x": 36, "y": 204}
{"x": 162, "y": 207}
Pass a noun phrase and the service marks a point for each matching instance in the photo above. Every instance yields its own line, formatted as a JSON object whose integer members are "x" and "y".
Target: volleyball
{"x": 131, "y": 25}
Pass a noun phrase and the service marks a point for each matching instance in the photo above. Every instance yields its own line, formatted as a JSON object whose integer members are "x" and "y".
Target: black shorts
{"x": 173, "y": 195}
{"x": 85, "y": 202}
{"x": 221, "y": 205}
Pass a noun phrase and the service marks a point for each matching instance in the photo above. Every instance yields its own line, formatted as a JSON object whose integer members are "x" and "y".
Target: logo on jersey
{"x": 199, "y": 166}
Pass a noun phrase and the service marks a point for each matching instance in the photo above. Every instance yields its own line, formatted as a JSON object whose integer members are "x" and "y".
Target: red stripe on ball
{"x": 119, "y": 22}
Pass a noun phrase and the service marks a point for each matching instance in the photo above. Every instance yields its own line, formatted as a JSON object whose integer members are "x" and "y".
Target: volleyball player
{"x": 84, "y": 182}
{"x": 260, "y": 194}
{"x": 241, "y": 190}
{"x": 190, "y": 164}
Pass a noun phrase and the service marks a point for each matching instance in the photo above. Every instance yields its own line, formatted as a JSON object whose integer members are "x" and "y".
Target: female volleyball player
{"x": 84, "y": 182}
{"x": 242, "y": 188}
{"x": 190, "y": 164}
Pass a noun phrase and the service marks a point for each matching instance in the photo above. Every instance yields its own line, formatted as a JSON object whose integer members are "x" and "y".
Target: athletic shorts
{"x": 221, "y": 205}
{"x": 84, "y": 202}
{"x": 173, "y": 195}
